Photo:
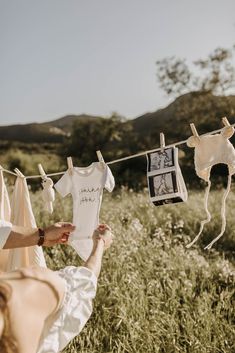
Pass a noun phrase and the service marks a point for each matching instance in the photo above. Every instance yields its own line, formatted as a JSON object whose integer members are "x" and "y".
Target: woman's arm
{"x": 102, "y": 239}
{"x": 24, "y": 237}
{"x": 95, "y": 260}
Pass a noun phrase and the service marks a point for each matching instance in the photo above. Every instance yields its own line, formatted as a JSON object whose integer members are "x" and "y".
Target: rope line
{"x": 120, "y": 159}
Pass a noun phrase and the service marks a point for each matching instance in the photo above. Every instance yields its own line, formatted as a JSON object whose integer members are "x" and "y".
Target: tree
{"x": 173, "y": 75}
{"x": 116, "y": 138}
{"x": 88, "y": 136}
{"x": 216, "y": 74}
{"x": 202, "y": 97}
{"x": 220, "y": 72}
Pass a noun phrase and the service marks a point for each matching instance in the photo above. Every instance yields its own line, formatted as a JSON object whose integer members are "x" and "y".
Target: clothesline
{"x": 120, "y": 159}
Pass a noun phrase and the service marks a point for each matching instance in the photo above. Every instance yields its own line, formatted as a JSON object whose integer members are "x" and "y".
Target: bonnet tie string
{"x": 222, "y": 212}
{"x": 205, "y": 221}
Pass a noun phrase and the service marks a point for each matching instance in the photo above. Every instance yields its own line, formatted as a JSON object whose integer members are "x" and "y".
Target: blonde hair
{"x": 7, "y": 341}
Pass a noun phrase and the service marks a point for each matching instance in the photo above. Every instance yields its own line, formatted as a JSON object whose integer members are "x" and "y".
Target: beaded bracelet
{"x": 41, "y": 233}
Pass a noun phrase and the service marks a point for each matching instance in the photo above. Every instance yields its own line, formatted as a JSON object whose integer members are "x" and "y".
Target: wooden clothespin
{"x": 225, "y": 121}
{"x": 18, "y": 172}
{"x": 100, "y": 158}
{"x": 162, "y": 141}
{"x": 70, "y": 165}
{"x": 41, "y": 171}
{"x": 194, "y": 130}
{"x": 228, "y": 129}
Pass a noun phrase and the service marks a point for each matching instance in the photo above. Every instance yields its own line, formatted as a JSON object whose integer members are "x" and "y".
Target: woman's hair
{"x": 7, "y": 341}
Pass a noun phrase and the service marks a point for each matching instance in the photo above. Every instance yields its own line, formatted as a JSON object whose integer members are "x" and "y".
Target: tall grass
{"x": 154, "y": 294}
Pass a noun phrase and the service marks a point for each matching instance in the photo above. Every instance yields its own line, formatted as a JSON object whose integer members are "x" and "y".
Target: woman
{"x": 41, "y": 311}
{"x": 12, "y": 237}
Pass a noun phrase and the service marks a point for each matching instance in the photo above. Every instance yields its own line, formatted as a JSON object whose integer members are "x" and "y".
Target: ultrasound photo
{"x": 161, "y": 159}
{"x": 163, "y": 184}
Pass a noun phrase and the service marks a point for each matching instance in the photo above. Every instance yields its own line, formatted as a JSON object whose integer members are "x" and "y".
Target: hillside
{"x": 66, "y": 122}
{"x": 204, "y": 109}
{"x": 51, "y": 132}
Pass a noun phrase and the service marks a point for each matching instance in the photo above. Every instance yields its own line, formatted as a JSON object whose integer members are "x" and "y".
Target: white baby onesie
{"x": 86, "y": 187}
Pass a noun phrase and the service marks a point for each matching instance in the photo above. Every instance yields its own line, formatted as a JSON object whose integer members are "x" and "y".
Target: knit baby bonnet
{"x": 211, "y": 150}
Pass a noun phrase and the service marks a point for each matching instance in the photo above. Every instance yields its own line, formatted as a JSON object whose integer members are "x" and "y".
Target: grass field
{"x": 154, "y": 295}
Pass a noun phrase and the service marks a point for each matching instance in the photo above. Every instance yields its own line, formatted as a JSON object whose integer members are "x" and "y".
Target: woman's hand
{"x": 102, "y": 239}
{"x": 58, "y": 233}
{"x": 103, "y": 233}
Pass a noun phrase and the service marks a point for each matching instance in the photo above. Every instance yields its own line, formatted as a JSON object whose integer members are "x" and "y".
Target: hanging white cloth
{"x": 22, "y": 215}
{"x": 5, "y": 215}
{"x": 86, "y": 185}
{"x": 48, "y": 194}
{"x": 208, "y": 151}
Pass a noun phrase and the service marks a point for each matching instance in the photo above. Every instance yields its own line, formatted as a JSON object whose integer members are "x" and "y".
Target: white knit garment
{"x": 211, "y": 150}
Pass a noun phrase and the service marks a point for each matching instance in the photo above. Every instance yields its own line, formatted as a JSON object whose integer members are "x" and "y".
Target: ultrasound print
{"x": 161, "y": 159}
{"x": 163, "y": 184}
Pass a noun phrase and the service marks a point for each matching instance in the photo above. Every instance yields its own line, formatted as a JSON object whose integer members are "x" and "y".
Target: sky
{"x": 62, "y": 57}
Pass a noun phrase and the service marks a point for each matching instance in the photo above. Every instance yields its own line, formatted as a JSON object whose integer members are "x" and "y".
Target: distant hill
{"x": 66, "y": 122}
{"x": 204, "y": 109}
{"x": 52, "y": 131}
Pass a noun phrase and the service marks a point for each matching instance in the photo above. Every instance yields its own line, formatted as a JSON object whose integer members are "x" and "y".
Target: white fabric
{"x": 5, "y": 215}
{"x": 211, "y": 150}
{"x": 81, "y": 284}
{"x": 86, "y": 187}
{"x": 22, "y": 215}
{"x": 5, "y": 230}
{"x": 48, "y": 194}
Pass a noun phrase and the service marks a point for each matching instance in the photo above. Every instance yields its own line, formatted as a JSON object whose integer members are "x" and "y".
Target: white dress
{"x": 69, "y": 320}
{"x": 76, "y": 308}
{"x": 5, "y": 230}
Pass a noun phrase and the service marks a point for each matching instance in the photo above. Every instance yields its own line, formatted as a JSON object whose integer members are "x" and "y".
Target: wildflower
{"x": 136, "y": 225}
